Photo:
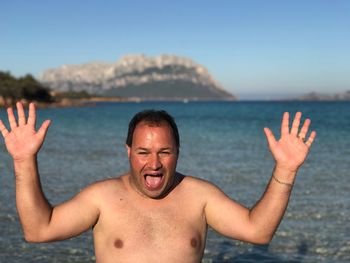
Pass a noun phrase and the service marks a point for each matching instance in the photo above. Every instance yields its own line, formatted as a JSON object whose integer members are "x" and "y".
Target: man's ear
{"x": 128, "y": 150}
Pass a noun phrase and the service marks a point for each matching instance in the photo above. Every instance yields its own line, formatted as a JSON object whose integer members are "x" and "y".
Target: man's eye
{"x": 165, "y": 153}
{"x": 142, "y": 153}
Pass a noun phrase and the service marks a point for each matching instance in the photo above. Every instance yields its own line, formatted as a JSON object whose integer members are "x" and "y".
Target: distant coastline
{"x": 316, "y": 96}
{"x": 66, "y": 102}
{"x": 93, "y": 100}
{"x": 27, "y": 89}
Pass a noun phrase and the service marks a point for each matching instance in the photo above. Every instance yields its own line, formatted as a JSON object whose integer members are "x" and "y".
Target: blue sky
{"x": 255, "y": 49}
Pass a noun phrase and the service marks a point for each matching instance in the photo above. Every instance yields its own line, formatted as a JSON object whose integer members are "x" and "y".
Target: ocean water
{"x": 220, "y": 141}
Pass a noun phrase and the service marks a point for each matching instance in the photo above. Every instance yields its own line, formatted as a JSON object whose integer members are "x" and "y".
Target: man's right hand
{"x": 23, "y": 141}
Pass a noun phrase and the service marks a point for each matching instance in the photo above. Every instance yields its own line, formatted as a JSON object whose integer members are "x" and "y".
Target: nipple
{"x": 118, "y": 243}
{"x": 194, "y": 242}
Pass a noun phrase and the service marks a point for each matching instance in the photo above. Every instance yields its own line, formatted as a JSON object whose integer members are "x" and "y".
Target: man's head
{"x": 153, "y": 147}
{"x": 153, "y": 118}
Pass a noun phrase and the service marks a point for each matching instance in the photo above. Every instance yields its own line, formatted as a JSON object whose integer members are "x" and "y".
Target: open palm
{"x": 23, "y": 141}
{"x": 291, "y": 150}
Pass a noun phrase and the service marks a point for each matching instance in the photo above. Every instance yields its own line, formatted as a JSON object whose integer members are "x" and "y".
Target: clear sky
{"x": 255, "y": 49}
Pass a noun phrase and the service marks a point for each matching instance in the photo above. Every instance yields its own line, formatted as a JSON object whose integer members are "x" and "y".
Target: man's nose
{"x": 154, "y": 162}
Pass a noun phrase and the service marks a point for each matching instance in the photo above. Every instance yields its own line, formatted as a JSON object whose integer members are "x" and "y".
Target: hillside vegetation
{"x": 26, "y": 88}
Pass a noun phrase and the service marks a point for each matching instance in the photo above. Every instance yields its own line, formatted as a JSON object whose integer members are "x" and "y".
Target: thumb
{"x": 43, "y": 129}
{"x": 271, "y": 140}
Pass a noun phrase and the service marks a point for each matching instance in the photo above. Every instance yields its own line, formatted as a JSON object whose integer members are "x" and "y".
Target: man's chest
{"x": 177, "y": 225}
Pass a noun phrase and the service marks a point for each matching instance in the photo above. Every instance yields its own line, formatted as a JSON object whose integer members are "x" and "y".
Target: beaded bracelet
{"x": 280, "y": 182}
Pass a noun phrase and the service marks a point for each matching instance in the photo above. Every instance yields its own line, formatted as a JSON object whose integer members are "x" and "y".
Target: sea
{"x": 222, "y": 142}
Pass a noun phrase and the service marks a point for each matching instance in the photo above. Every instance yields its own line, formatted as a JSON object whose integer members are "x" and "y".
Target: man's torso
{"x": 132, "y": 228}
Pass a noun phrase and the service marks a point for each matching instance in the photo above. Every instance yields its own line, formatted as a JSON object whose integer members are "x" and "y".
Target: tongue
{"x": 153, "y": 181}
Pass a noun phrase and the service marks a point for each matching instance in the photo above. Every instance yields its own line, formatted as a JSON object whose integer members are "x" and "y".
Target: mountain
{"x": 166, "y": 77}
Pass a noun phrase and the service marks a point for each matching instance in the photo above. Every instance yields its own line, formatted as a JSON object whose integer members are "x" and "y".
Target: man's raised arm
{"x": 258, "y": 225}
{"x": 40, "y": 221}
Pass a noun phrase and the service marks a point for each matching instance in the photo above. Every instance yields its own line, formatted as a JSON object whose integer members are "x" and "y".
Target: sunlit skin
{"x": 151, "y": 213}
{"x": 153, "y": 152}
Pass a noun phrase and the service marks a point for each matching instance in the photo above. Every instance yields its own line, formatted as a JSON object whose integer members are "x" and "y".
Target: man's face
{"x": 153, "y": 157}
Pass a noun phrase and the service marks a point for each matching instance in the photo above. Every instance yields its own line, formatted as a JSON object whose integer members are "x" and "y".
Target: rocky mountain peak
{"x": 164, "y": 76}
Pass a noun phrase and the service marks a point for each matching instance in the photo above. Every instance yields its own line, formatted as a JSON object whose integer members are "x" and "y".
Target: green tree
{"x": 26, "y": 87}
{"x": 31, "y": 89}
{"x": 9, "y": 87}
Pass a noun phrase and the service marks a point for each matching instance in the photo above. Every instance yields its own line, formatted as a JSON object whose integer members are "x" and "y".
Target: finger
{"x": 21, "y": 114}
{"x": 32, "y": 115}
{"x": 311, "y": 139}
{"x": 304, "y": 129}
{"x": 271, "y": 140}
{"x": 3, "y": 129}
{"x": 295, "y": 124}
{"x": 43, "y": 129}
{"x": 285, "y": 124}
{"x": 12, "y": 119}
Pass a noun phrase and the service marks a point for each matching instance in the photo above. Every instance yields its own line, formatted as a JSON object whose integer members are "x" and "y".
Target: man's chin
{"x": 155, "y": 193}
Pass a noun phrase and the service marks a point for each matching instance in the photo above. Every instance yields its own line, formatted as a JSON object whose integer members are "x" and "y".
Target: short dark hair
{"x": 153, "y": 117}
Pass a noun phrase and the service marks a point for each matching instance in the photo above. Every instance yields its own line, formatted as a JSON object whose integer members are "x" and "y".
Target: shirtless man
{"x": 152, "y": 213}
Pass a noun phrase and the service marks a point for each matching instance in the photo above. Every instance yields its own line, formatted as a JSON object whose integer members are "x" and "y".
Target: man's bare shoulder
{"x": 106, "y": 187}
{"x": 194, "y": 181}
{"x": 199, "y": 186}
{"x": 114, "y": 181}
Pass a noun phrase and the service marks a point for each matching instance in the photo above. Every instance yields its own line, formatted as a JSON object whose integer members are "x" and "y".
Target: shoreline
{"x": 92, "y": 101}
{"x": 86, "y": 102}
{"x": 67, "y": 102}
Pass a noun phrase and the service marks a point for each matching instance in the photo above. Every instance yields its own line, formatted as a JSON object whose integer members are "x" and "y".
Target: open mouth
{"x": 153, "y": 181}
